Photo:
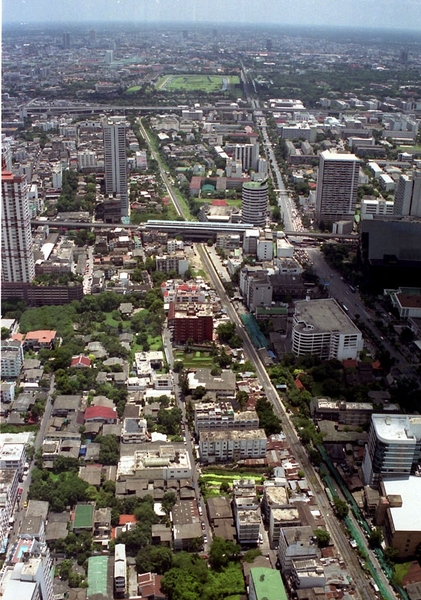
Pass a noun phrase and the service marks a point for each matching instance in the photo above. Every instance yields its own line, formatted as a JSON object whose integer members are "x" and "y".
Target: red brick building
{"x": 190, "y": 322}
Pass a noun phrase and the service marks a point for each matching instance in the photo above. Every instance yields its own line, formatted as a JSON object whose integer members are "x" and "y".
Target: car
{"x": 25, "y": 504}
{"x": 205, "y": 539}
{"x": 203, "y": 526}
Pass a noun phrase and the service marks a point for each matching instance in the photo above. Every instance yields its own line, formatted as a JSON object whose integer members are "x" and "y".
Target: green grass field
{"x": 190, "y": 83}
{"x": 410, "y": 149}
{"x": 195, "y": 359}
{"x": 213, "y": 481}
{"x": 133, "y": 89}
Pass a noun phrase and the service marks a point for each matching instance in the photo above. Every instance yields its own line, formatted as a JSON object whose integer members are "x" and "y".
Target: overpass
{"x": 196, "y": 229}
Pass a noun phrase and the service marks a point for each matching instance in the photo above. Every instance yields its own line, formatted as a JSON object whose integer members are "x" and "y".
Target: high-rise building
{"x": 254, "y": 203}
{"x": 337, "y": 185}
{"x": 115, "y": 161}
{"x": 248, "y": 154}
{"x": 394, "y": 448}
{"x": 66, "y": 40}
{"x": 408, "y": 195}
{"x": 16, "y": 237}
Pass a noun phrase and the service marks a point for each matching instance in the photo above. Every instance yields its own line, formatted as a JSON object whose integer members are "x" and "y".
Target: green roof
{"x": 84, "y": 516}
{"x": 271, "y": 310}
{"x": 268, "y": 584}
{"x": 97, "y": 575}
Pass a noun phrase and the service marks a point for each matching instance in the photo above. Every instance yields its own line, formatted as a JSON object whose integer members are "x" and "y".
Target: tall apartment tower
{"x": 254, "y": 203}
{"x": 66, "y": 40}
{"x": 248, "y": 154}
{"x": 408, "y": 195}
{"x": 115, "y": 161}
{"x": 17, "y": 259}
{"x": 337, "y": 185}
{"x": 393, "y": 450}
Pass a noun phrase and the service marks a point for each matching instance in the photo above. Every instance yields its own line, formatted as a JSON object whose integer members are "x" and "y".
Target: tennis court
{"x": 97, "y": 575}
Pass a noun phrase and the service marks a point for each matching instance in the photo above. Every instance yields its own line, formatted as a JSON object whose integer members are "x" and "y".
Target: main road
{"x": 317, "y": 488}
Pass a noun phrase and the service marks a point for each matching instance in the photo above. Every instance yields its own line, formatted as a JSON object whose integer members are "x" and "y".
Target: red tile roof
{"x": 82, "y": 361}
{"x": 45, "y": 336}
{"x": 100, "y": 412}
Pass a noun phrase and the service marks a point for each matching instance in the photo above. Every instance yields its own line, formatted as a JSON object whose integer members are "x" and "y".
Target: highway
{"x": 317, "y": 488}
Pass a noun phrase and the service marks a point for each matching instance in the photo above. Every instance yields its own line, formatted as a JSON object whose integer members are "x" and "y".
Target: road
{"x": 164, "y": 176}
{"x": 317, "y": 488}
{"x": 341, "y": 291}
{"x": 19, "y": 510}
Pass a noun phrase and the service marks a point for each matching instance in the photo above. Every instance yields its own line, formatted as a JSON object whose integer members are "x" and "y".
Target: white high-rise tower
{"x": 254, "y": 203}
{"x": 337, "y": 186}
{"x": 115, "y": 161}
{"x": 16, "y": 237}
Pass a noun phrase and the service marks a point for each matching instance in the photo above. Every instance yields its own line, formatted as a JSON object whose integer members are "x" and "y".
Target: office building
{"x": 394, "y": 448}
{"x": 254, "y": 203}
{"x": 322, "y": 327}
{"x": 337, "y": 185}
{"x": 408, "y": 195}
{"x": 115, "y": 161}
{"x": 16, "y": 247}
{"x": 391, "y": 251}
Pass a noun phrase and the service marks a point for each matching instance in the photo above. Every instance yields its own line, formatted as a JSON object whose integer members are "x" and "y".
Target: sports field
{"x": 191, "y": 83}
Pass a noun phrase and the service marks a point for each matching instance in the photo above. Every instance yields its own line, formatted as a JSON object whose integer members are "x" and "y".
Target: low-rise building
{"x": 223, "y": 385}
{"x": 221, "y": 416}
{"x": 296, "y": 543}
{"x": 165, "y": 463}
{"x": 222, "y": 446}
{"x": 266, "y": 583}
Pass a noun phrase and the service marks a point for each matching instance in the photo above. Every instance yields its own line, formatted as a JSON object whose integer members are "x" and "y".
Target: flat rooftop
{"x": 408, "y": 516}
{"x": 252, "y": 434}
{"x": 323, "y": 315}
{"x": 397, "y": 428}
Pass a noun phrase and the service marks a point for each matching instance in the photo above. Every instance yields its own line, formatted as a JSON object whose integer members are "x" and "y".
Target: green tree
{"x": 168, "y": 501}
{"x": 109, "y": 452}
{"x": 222, "y": 552}
{"x": 375, "y": 538}
{"x": 199, "y": 392}
{"x": 155, "y": 559}
{"x": 322, "y": 537}
{"x": 341, "y": 507}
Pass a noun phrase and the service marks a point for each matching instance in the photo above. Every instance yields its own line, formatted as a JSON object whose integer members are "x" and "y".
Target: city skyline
{"x": 333, "y": 13}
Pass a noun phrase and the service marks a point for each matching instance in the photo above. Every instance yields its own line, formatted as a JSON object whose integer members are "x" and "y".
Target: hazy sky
{"x": 396, "y": 14}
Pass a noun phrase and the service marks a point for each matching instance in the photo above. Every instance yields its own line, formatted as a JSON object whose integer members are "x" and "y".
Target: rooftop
{"x": 408, "y": 516}
{"x": 268, "y": 584}
{"x": 323, "y": 315}
{"x": 397, "y": 428}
